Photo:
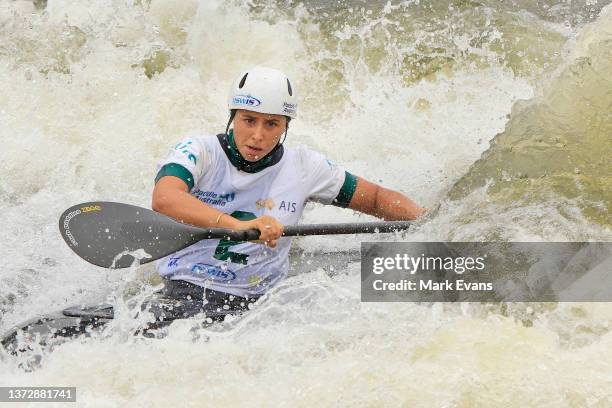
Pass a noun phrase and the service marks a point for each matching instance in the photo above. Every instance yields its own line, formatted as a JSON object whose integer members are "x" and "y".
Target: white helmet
{"x": 263, "y": 90}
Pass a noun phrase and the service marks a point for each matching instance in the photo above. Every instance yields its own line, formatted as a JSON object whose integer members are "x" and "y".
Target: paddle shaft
{"x": 315, "y": 229}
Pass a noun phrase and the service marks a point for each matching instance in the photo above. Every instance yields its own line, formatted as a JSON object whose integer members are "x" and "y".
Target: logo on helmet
{"x": 289, "y": 108}
{"x": 246, "y": 100}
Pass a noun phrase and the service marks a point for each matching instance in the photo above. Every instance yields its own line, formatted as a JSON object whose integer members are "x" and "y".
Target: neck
{"x": 233, "y": 154}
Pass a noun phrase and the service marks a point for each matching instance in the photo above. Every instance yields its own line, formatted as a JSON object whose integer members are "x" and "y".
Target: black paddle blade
{"x": 107, "y": 234}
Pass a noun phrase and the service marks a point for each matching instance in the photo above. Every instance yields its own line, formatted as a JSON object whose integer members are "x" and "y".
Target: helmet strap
{"x": 231, "y": 118}
{"x": 286, "y": 130}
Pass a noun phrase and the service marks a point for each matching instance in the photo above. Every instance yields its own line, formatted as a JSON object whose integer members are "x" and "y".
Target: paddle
{"x": 105, "y": 233}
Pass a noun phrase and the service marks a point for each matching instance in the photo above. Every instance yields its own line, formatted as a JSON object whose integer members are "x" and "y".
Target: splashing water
{"x": 500, "y": 112}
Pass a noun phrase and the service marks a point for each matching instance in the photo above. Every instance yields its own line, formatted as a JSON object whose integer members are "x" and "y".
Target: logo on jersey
{"x": 267, "y": 203}
{"x": 214, "y": 272}
{"x": 173, "y": 263}
{"x": 287, "y": 206}
{"x": 255, "y": 280}
{"x": 185, "y": 148}
{"x": 246, "y": 100}
{"x": 212, "y": 198}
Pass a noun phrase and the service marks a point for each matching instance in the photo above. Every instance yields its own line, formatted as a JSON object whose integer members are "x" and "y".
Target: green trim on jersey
{"x": 223, "y": 253}
{"x": 347, "y": 191}
{"x": 176, "y": 170}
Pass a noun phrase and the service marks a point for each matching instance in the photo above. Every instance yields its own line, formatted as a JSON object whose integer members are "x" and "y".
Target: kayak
{"x": 68, "y": 323}
{"x": 46, "y": 332}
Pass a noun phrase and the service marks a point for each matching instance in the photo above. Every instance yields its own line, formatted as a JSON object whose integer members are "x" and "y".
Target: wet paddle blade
{"x": 111, "y": 234}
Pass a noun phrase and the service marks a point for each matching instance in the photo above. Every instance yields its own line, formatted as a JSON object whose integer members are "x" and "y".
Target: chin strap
{"x": 286, "y": 129}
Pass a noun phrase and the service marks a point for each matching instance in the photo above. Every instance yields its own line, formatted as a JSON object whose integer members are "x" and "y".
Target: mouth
{"x": 253, "y": 151}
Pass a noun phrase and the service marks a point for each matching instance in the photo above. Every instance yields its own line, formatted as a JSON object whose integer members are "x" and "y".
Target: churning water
{"x": 496, "y": 114}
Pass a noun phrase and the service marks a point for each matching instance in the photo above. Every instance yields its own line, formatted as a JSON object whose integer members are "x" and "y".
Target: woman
{"x": 246, "y": 179}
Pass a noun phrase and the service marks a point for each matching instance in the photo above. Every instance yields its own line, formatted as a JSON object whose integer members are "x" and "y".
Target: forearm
{"x": 393, "y": 206}
{"x": 184, "y": 207}
{"x": 383, "y": 203}
{"x": 171, "y": 197}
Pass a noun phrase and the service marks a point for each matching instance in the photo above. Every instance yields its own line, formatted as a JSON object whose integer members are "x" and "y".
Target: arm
{"x": 383, "y": 203}
{"x": 171, "y": 198}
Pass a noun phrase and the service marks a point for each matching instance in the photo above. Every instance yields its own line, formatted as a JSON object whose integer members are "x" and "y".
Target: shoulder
{"x": 197, "y": 142}
{"x": 314, "y": 167}
{"x": 306, "y": 156}
{"x": 193, "y": 151}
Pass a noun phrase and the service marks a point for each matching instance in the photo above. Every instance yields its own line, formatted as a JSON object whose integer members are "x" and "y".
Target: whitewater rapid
{"x": 416, "y": 96}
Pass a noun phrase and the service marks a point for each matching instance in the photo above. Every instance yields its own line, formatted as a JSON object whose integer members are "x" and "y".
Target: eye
{"x": 250, "y": 121}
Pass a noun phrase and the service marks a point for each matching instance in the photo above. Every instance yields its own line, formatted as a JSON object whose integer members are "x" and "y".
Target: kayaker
{"x": 246, "y": 178}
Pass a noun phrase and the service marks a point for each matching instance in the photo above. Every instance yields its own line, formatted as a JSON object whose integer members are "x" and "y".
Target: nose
{"x": 258, "y": 132}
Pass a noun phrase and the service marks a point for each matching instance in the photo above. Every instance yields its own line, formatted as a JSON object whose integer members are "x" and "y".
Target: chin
{"x": 249, "y": 158}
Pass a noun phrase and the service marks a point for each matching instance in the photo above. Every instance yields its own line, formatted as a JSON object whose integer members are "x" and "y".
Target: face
{"x": 256, "y": 134}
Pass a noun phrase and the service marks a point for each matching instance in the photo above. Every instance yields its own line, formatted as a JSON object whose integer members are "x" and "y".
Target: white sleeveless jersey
{"x": 280, "y": 190}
